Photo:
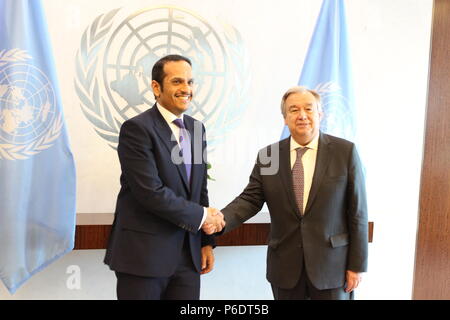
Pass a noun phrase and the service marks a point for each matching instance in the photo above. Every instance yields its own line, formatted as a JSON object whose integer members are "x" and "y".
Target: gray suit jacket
{"x": 331, "y": 237}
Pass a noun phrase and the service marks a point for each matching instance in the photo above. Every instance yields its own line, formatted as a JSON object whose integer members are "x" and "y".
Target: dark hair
{"x": 158, "y": 69}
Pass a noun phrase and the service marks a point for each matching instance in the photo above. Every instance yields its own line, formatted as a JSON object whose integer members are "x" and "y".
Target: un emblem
{"x": 114, "y": 68}
{"x": 338, "y": 116}
{"x": 29, "y": 119}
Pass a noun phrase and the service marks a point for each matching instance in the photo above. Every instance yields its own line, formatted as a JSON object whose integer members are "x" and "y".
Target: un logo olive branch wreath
{"x": 11, "y": 151}
{"x": 240, "y": 79}
{"x": 93, "y": 106}
{"x": 13, "y": 55}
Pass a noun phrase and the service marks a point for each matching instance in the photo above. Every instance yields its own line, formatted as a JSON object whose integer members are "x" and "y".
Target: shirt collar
{"x": 167, "y": 115}
{"x": 313, "y": 144}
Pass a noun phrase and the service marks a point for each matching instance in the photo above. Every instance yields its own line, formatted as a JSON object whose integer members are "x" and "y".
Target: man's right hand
{"x": 214, "y": 221}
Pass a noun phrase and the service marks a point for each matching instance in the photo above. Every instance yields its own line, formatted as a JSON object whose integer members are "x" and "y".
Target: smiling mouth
{"x": 185, "y": 98}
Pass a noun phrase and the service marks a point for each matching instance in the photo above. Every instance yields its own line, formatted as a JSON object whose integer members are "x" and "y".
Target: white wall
{"x": 390, "y": 62}
{"x": 390, "y": 49}
{"x": 239, "y": 275}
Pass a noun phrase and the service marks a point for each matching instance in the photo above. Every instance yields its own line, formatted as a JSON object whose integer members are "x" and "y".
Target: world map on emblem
{"x": 27, "y": 104}
{"x": 117, "y": 86}
{"x": 152, "y": 34}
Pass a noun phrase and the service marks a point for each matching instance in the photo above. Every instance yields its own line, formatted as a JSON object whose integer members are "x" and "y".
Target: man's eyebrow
{"x": 181, "y": 79}
{"x": 308, "y": 104}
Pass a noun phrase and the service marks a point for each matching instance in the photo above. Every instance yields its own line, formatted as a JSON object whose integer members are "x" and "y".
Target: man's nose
{"x": 302, "y": 114}
{"x": 186, "y": 87}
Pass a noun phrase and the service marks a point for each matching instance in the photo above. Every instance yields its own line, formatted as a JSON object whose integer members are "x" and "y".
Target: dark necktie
{"x": 185, "y": 145}
{"x": 298, "y": 178}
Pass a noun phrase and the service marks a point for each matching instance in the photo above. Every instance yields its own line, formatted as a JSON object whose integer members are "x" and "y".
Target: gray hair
{"x": 299, "y": 89}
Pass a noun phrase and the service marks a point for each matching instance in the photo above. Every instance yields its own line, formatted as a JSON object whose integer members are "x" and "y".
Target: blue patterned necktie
{"x": 298, "y": 179}
{"x": 185, "y": 145}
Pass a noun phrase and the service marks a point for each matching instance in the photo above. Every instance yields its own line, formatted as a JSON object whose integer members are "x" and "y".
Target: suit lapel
{"x": 189, "y": 123}
{"x": 165, "y": 134}
{"x": 324, "y": 154}
{"x": 286, "y": 173}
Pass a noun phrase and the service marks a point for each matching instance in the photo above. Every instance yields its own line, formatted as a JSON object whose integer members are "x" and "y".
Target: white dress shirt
{"x": 309, "y": 164}
{"x": 170, "y": 117}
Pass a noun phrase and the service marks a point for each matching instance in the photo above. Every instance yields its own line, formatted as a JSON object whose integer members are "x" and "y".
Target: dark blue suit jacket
{"x": 156, "y": 206}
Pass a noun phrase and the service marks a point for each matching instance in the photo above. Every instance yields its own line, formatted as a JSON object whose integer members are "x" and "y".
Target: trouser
{"x": 184, "y": 284}
{"x": 305, "y": 290}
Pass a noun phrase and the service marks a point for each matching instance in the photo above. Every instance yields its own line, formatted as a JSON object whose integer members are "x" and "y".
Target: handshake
{"x": 214, "y": 221}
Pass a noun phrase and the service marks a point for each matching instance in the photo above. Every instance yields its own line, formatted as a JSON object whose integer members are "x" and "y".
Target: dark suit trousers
{"x": 184, "y": 284}
{"x": 305, "y": 290}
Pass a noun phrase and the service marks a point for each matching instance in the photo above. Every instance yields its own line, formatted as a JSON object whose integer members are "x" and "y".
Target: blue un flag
{"x": 37, "y": 171}
{"x": 327, "y": 70}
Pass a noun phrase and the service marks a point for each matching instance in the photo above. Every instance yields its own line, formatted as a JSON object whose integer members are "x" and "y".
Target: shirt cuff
{"x": 205, "y": 213}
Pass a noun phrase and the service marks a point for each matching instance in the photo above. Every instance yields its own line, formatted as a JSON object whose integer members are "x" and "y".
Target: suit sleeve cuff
{"x": 205, "y": 213}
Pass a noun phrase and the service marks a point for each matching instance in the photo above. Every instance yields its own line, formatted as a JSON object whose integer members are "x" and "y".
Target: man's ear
{"x": 156, "y": 88}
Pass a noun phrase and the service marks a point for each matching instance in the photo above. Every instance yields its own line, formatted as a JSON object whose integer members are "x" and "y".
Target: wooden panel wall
{"x": 92, "y": 232}
{"x": 251, "y": 234}
{"x": 432, "y": 264}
